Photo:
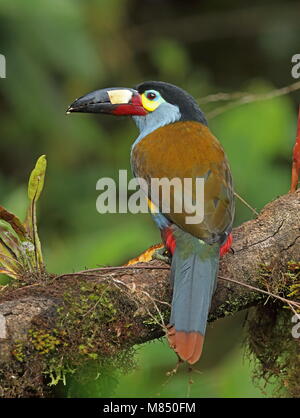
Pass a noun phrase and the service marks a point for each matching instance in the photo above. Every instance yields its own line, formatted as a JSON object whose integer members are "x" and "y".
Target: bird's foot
{"x": 162, "y": 254}
{"x": 146, "y": 256}
{"x": 174, "y": 371}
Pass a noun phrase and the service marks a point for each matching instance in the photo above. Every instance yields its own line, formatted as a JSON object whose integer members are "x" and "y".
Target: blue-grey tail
{"x": 193, "y": 273}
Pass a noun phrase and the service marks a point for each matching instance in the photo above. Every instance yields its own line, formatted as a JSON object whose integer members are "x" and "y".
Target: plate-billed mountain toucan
{"x": 175, "y": 142}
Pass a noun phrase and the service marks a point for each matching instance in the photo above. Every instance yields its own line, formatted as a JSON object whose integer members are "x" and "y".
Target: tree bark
{"x": 264, "y": 244}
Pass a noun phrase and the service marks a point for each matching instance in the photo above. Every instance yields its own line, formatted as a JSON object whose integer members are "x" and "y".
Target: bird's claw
{"x": 162, "y": 254}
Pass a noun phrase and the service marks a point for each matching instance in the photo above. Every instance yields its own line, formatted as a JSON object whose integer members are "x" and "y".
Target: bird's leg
{"x": 170, "y": 332}
{"x": 162, "y": 254}
{"x": 174, "y": 371}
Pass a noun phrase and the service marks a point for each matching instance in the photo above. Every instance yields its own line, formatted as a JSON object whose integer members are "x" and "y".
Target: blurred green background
{"x": 57, "y": 50}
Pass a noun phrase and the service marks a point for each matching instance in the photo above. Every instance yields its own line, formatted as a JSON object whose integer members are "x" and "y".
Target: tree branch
{"x": 140, "y": 294}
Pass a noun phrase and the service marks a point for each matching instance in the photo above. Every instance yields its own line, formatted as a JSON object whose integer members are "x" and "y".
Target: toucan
{"x": 174, "y": 141}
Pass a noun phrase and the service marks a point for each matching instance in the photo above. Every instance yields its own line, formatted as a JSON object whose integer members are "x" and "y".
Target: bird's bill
{"x": 111, "y": 101}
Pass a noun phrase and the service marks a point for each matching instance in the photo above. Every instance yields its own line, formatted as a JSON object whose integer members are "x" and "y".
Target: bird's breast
{"x": 189, "y": 150}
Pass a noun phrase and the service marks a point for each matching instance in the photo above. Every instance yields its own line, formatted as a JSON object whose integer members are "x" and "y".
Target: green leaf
{"x": 36, "y": 180}
{"x": 9, "y": 273}
{"x": 10, "y": 240}
{"x": 15, "y": 246}
{"x": 35, "y": 187}
{"x": 10, "y": 266}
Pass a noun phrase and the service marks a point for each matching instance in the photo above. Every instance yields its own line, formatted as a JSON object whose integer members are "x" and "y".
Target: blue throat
{"x": 165, "y": 114}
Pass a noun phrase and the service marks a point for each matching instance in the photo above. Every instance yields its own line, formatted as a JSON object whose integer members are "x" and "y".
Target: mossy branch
{"x": 98, "y": 313}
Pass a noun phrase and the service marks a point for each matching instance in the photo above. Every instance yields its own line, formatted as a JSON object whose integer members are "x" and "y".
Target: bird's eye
{"x": 151, "y": 95}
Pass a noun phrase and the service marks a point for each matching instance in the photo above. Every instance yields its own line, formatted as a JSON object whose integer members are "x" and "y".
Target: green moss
{"x": 157, "y": 319}
{"x": 89, "y": 327}
{"x": 42, "y": 341}
{"x": 92, "y": 324}
{"x": 284, "y": 283}
{"x": 234, "y": 305}
{"x": 270, "y": 343}
{"x": 18, "y": 351}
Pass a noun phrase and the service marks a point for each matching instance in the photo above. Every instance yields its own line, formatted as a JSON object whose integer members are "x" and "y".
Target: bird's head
{"x": 152, "y": 104}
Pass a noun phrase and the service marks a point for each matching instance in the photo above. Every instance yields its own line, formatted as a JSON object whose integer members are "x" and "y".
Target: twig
{"x": 257, "y": 289}
{"x": 94, "y": 272}
{"x": 246, "y": 204}
{"x": 220, "y": 97}
{"x": 250, "y": 98}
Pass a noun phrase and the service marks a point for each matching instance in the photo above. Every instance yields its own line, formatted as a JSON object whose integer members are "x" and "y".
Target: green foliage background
{"x": 57, "y": 50}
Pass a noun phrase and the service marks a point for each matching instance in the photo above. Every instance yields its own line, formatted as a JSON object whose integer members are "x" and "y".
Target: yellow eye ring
{"x": 150, "y": 104}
